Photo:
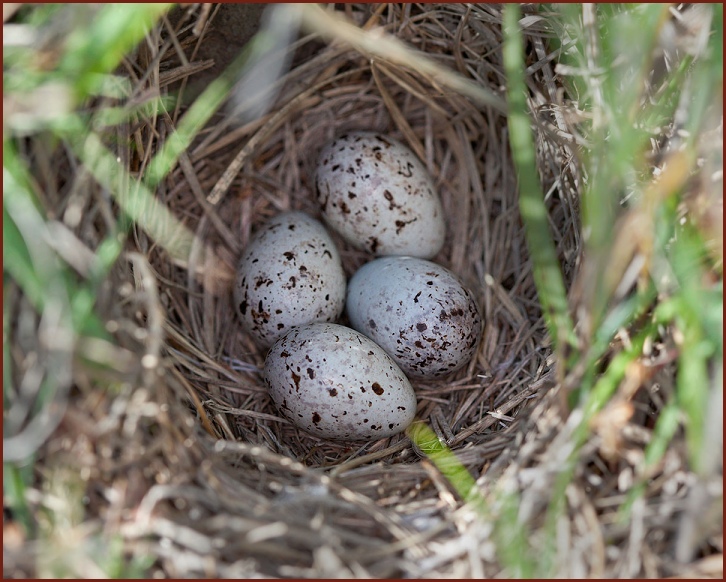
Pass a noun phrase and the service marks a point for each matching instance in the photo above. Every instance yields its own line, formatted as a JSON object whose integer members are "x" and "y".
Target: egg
{"x": 289, "y": 274}
{"x": 335, "y": 383}
{"x": 379, "y": 197}
{"x": 416, "y": 310}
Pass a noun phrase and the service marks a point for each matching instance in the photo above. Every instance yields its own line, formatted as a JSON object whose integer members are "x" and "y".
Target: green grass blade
{"x": 137, "y": 202}
{"x": 612, "y": 87}
{"x": 33, "y": 264}
{"x": 8, "y": 391}
{"x": 512, "y": 540}
{"x": 253, "y": 74}
{"x": 663, "y": 432}
{"x": 609, "y": 381}
{"x": 16, "y": 480}
{"x": 97, "y": 50}
{"x": 707, "y": 77}
{"x": 628, "y": 35}
{"x": 603, "y": 390}
{"x": 510, "y": 534}
{"x": 546, "y": 267}
{"x": 700, "y": 335}
{"x": 619, "y": 317}
{"x": 17, "y": 262}
{"x": 447, "y": 462}
{"x": 194, "y": 119}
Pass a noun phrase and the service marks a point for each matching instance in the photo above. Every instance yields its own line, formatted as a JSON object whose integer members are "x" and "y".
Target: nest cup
{"x": 331, "y": 89}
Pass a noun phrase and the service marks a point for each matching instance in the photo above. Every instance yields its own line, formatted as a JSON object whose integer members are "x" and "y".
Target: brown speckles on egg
{"x": 425, "y": 318}
{"x": 401, "y": 224}
{"x": 290, "y": 261}
{"x": 392, "y": 206}
{"x": 405, "y": 169}
{"x": 296, "y": 379}
{"x": 320, "y": 399}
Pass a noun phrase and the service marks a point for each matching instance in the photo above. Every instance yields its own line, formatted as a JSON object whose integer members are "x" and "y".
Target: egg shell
{"x": 416, "y": 310}
{"x": 289, "y": 274}
{"x": 378, "y": 196}
{"x": 335, "y": 383}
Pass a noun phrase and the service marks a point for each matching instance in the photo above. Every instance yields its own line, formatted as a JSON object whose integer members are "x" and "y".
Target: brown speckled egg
{"x": 379, "y": 196}
{"x": 289, "y": 274}
{"x": 416, "y": 310}
{"x": 335, "y": 383}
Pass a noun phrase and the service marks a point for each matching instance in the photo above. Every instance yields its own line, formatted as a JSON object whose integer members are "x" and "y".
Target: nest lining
{"x": 335, "y": 91}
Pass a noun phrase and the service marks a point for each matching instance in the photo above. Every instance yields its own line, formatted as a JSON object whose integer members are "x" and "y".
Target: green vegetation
{"x": 618, "y": 163}
{"x": 49, "y": 102}
{"x": 63, "y": 82}
{"x": 611, "y": 60}
{"x": 547, "y": 274}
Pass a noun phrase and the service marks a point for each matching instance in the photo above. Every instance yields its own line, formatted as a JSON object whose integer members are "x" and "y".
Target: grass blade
{"x": 15, "y": 482}
{"x": 511, "y": 535}
{"x": 546, "y": 267}
{"x": 116, "y": 30}
{"x": 254, "y": 74}
{"x": 446, "y": 462}
{"x": 194, "y": 119}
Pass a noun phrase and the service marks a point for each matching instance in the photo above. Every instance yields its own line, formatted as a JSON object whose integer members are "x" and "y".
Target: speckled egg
{"x": 378, "y": 195}
{"x": 335, "y": 383}
{"x": 289, "y": 274}
{"x": 416, "y": 310}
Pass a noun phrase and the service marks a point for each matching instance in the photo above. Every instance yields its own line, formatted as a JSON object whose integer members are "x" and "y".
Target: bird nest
{"x": 194, "y": 465}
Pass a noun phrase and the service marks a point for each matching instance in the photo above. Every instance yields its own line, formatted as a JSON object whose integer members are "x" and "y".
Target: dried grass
{"x": 190, "y": 461}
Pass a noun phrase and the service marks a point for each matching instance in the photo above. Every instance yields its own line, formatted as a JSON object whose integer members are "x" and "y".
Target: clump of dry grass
{"x": 187, "y": 458}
